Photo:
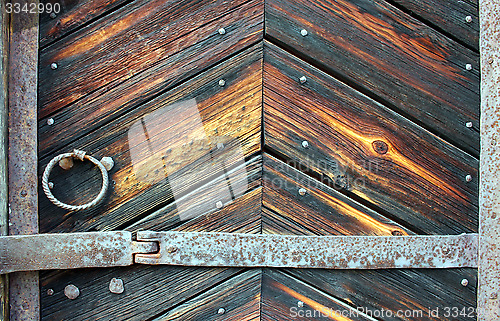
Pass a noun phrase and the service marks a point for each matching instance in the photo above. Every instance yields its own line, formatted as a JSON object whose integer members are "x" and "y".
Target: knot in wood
{"x": 380, "y": 147}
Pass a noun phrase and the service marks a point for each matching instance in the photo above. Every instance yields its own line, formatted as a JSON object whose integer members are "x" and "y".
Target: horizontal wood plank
{"x": 72, "y": 14}
{"x": 388, "y": 55}
{"x": 183, "y": 56}
{"x": 322, "y": 209}
{"x": 367, "y": 150}
{"x": 147, "y": 167}
{"x": 449, "y": 16}
{"x": 236, "y": 299}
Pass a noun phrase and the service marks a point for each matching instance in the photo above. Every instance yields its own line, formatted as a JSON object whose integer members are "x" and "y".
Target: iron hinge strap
{"x": 108, "y": 249}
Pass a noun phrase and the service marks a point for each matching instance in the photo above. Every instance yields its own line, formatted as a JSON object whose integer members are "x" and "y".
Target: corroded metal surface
{"x": 69, "y": 251}
{"x": 332, "y": 252}
{"x": 489, "y": 192}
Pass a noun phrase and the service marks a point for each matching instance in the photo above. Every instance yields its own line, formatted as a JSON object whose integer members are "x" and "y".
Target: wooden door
{"x": 318, "y": 117}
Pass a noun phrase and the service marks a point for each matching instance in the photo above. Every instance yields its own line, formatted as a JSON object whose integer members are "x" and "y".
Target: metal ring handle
{"x": 80, "y": 155}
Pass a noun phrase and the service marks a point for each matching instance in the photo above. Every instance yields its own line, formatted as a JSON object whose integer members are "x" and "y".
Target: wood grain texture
{"x": 281, "y": 295}
{"x": 386, "y": 53}
{"x": 449, "y": 16}
{"x": 239, "y": 298}
{"x": 179, "y": 149}
{"x": 322, "y": 210}
{"x": 73, "y": 14}
{"x": 366, "y": 149}
{"x": 102, "y": 98}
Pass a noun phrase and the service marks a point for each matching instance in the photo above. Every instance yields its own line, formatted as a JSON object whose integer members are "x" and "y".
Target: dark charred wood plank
{"x": 448, "y": 16}
{"x": 389, "y": 56}
{"x": 286, "y": 298}
{"x": 183, "y": 56}
{"x": 188, "y": 123}
{"x": 322, "y": 209}
{"x": 239, "y": 299}
{"x": 370, "y": 151}
{"x": 73, "y": 14}
{"x": 401, "y": 290}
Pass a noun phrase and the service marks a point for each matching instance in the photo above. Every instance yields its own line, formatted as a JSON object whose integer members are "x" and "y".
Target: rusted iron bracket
{"x": 108, "y": 249}
{"x": 330, "y": 252}
{"x": 69, "y": 251}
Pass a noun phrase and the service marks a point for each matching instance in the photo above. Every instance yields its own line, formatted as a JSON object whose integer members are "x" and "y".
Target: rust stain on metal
{"x": 331, "y": 252}
{"x": 489, "y": 192}
{"x": 116, "y": 286}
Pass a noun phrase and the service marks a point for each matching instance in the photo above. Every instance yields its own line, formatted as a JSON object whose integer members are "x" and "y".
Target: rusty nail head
{"x": 445, "y": 250}
{"x": 221, "y": 311}
{"x": 50, "y": 121}
{"x": 490, "y": 60}
{"x": 219, "y": 204}
{"x": 493, "y": 296}
{"x": 468, "y": 124}
{"x": 468, "y": 66}
{"x": 66, "y": 163}
{"x": 302, "y": 79}
{"x": 468, "y": 19}
{"x": 300, "y": 304}
{"x": 71, "y": 291}
{"x": 468, "y": 178}
{"x": 302, "y": 191}
{"x": 303, "y": 32}
{"x": 50, "y": 292}
{"x": 305, "y": 144}
{"x": 464, "y": 282}
{"x": 53, "y": 66}
{"x": 116, "y": 286}
{"x": 222, "y": 31}
{"x": 172, "y": 249}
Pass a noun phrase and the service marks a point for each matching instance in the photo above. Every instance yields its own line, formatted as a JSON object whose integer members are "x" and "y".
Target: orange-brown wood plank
{"x": 367, "y": 150}
{"x": 72, "y": 14}
{"x": 449, "y": 17}
{"x": 388, "y": 55}
{"x": 141, "y": 183}
{"x": 119, "y": 74}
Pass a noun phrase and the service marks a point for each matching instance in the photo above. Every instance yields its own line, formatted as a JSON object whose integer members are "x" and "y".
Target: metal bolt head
{"x": 468, "y": 178}
{"x": 468, "y": 66}
{"x": 490, "y": 60}
{"x": 445, "y": 250}
{"x": 305, "y": 144}
{"x": 108, "y": 163}
{"x": 222, "y": 82}
{"x": 221, "y": 311}
{"x": 300, "y": 304}
{"x": 53, "y": 15}
{"x": 220, "y": 146}
{"x": 71, "y": 291}
{"x": 116, "y": 286}
{"x": 302, "y": 79}
{"x": 302, "y": 191}
{"x": 172, "y": 249}
{"x": 464, "y": 282}
{"x": 51, "y": 185}
{"x": 53, "y": 66}
{"x": 468, "y": 19}
{"x": 50, "y": 292}
{"x": 66, "y": 163}
{"x": 219, "y": 204}
{"x": 468, "y": 124}
{"x": 222, "y": 31}
{"x": 50, "y": 121}
{"x": 303, "y": 32}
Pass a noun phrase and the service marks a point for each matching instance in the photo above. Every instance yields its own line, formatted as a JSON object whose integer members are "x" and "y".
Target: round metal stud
{"x": 71, "y": 291}
{"x": 50, "y": 292}
{"x": 222, "y": 82}
{"x": 464, "y": 282}
{"x": 468, "y": 124}
{"x": 51, "y": 185}
{"x": 50, "y": 121}
{"x": 221, "y": 311}
{"x": 220, "y": 146}
{"x": 108, "y": 163}
{"x": 303, "y": 32}
{"x": 53, "y": 66}
{"x": 219, "y": 205}
{"x": 53, "y": 15}
{"x": 302, "y": 191}
{"x": 116, "y": 286}
{"x": 222, "y": 31}
{"x": 300, "y": 304}
{"x": 468, "y": 178}
{"x": 468, "y": 66}
{"x": 302, "y": 79}
{"x": 305, "y": 144}
{"x": 468, "y": 19}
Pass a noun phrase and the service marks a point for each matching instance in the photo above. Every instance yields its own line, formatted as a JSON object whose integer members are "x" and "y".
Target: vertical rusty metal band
{"x": 23, "y": 200}
{"x": 489, "y": 194}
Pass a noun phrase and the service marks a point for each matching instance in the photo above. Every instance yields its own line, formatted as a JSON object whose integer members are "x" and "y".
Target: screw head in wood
{"x": 220, "y": 146}
{"x": 50, "y": 292}
{"x": 468, "y": 19}
{"x": 222, "y": 31}
{"x": 490, "y": 60}
{"x": 468, "y": 178}
{"x": 50, "y": 121}
{"x": 116, "y": 286}
{"x": 71, "y": 291}
{"x": 300, "y": 304}
{"x": 222, "y": 82}
{"x": 464, "y": 282}
{"x": 221, "y": 311}
{"x": 302, "y": 191}
{"x": 219, "y": 204}
{"x": 53, "y": 66}
{"x": 468, "y": 124}
{"x": 302, "y": 79}
{"x": 468, "y": 66}
{"x": 303, "y": 32}
{"x": 305, "y": 144}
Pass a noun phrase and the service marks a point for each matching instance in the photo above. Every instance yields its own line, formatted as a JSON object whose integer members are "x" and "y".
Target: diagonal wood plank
{"x": 366, "y": 149}
{"x": 389, "y": 55}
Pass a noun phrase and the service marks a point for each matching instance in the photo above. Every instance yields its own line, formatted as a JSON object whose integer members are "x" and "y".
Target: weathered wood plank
{"x": 239, "y": 299}
{"x": 286, "y": 298}
{"x": 130, "y": 41}
{"x": 73, "y": 14}
{"x": 369, "y": 151}
{"x": 449, "y": 16}
{"x": 184, "y": 56}
{"x": 388, "y": 55}
{"x": 322, "y": 209}
{"x": 401, "y": 290}
{"x": 181, "y": 148}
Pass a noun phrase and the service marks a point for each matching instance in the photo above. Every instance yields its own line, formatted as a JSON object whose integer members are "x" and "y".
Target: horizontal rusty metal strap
{"x": 69, "y": 251}
{"x": 331, "y": 252}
